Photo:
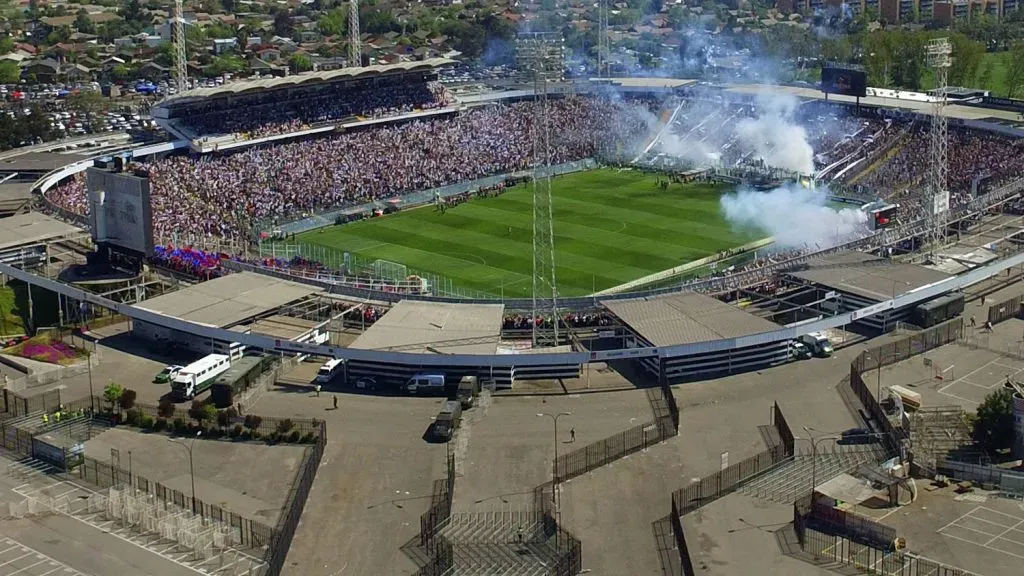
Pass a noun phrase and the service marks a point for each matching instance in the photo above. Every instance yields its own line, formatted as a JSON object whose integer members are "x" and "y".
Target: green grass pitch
{"x": 610, "y": 227}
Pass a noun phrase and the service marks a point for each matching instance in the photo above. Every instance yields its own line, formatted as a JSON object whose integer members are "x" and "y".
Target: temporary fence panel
{"x": 1005, "y": 310}
{"x": 602, "y": 452}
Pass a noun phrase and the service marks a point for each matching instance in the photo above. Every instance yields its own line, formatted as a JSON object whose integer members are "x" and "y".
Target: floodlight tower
{"x": 355, "y": 48}
{"x": 938, "y": 52}
{"x": 180, "y": 56}
{"x": 545, "y": 287}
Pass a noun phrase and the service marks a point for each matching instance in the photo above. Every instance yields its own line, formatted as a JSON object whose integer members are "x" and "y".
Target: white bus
{"x": 330, "y": 370}
{"x": 193, "y": 379}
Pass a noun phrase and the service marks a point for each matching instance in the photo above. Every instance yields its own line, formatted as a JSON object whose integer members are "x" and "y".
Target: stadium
{"x": 375, "y": 216}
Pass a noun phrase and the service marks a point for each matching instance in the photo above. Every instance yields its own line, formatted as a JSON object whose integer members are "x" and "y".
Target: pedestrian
{"x": 572, "y": 434}
{"x": 335, "y": 402}
{"x": 519, "y": 534}
{"x": 973, "y": 321}
{"x": 317, "y": 390}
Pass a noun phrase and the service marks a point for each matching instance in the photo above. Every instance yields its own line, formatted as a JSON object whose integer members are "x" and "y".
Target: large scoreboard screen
{"x": 882, "y": 217}
{"x": 847, "y": 81}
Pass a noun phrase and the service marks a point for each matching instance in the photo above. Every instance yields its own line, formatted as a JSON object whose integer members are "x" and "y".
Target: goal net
{"x": 388, "y": 270}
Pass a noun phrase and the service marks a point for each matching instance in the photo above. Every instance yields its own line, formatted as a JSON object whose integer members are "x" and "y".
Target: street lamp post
{"x": 554, "y": 468}
{"x": 191, "y": 467}
{"x": 814, "y": 454}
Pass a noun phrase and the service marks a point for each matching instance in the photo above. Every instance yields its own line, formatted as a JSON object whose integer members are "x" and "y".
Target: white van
{"x": 330, "y": 370}
{"x": 425, "y": 383}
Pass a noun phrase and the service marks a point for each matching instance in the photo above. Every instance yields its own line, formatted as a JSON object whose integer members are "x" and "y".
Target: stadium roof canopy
{"x": 868, "y": 276}
{"x": 304, "y": 79}
{"x": 686, "y": 318}
{"x": 33, "y": 228}
{"x": 435, "y": 328}
{"x": 228, "y": 300}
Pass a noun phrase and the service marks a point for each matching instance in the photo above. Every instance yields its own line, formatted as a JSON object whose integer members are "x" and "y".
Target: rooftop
{"x": 436, "y": 328}
{"x": 304, "y": 78}
{"x": 282, "y": 327}
{"x": 868, "y": 276}
{"x": 38, "y": 161}
{"x": 228, "y": 300}
{"x": 32, "y": 228}
{"x": 686, "y": 318}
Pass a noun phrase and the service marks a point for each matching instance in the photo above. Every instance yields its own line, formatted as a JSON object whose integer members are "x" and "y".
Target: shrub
{"x": 160, "y": 424}
{"x": 256, "y": 435}
{"x": 215, "y": 432}
{"x": 165, "y": 409}
{"x": 245, "y": 434}
{"x": 308, "y": 438}
{"x": 294, "y": 436}
{"x": 236, "y": 431}
{"x": 285, "y": 426}
{"x": 147, "y": 422}
{"x": 127, "y": 399}
{"x": 179, "y": 425}
{"x": 274, "y": 437}
{"x": 131, "y": 418}
{"x": 222, "y": 418}
{"x": 252, "y": 421}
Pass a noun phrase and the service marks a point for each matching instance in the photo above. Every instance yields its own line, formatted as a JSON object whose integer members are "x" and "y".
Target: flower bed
{"x": 43, "y": 349}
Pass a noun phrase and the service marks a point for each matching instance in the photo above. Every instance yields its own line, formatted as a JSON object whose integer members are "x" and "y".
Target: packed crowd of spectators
{"x": 592, "y": 319}
{"x": 188, "y": 260}
{"x": 201, "y": 197}
{"x": 281, "y": 117}
{"x": 365, "y": 315}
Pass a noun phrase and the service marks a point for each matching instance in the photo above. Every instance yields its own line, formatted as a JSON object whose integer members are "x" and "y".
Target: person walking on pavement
{"x": 572, "y": 434}
{"x": 335, "y": 402}
{"x": 317, "y": 390}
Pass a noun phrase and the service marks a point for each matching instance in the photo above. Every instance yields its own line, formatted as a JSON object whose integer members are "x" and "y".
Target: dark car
{"x": 858, "y": 436}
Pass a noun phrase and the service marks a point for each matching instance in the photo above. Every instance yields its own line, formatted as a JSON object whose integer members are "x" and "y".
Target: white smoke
{"x": 775, "y": 137}
{"x": 795, "y": 216}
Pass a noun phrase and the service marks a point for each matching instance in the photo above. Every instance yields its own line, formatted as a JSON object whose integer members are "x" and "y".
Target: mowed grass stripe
{"x": 610, "y": 227}
{"x": 495, "y": 250}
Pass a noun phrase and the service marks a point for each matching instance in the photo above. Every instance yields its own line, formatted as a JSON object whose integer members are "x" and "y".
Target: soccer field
{"x": 610, "y": 227}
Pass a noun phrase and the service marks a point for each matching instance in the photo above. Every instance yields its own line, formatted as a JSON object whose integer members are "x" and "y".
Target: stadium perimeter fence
{"x": 834, "y": 552}
{"x": 307, "y": 223}
{"x": 1008, "y": 483}
{"x": 1002, "y": 311}
{"x": 895, "y": 436}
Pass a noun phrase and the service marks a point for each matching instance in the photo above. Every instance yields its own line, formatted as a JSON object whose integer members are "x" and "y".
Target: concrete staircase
{"x": 792, "y": 479}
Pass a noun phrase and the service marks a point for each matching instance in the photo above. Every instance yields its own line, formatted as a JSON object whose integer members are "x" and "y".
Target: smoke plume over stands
{"x": 795, "y": 216}
{"x": 775, "y": 137}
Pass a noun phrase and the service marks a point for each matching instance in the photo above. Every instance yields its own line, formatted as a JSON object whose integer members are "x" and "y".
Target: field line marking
{"x": 27, "y": 567}
{"x": 996, "y": 512}
{"x": 1004, "y": 532}
{"x": 957, "y": 520}
{"x": 18, "y": 558}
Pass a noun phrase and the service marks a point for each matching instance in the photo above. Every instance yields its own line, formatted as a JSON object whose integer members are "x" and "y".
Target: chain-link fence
{"x": 836, "y": 552}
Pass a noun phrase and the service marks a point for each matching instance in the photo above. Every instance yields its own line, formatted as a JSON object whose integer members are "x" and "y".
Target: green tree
{"x": 10, "y": 73}
{"x": 122, "y": 72}
{"x": 83, "y": 24}
{"x": 1014, "y": 62}
{"x": 127, "y": 399}
{"x": 333, "y": 22}
{"x": 226, "y": 63}
{"x": 299, "y": 63}
{"x": 985, "y": 76}
{"x": 967, "y": 56}
{"x": 283, "y": 24}
{"x": 86, "y": 101}
{"x": 993, "y": 428}
{"x": 112, "y": 393}
{"x": 6, "y": 45}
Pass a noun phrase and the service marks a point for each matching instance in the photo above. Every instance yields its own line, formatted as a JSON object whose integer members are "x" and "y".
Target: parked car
{"x": 167, "y": 374}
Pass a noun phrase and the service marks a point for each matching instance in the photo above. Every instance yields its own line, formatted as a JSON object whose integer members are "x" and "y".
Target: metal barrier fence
{"x": 285, "y": 530}
{"x": 593, "y": 456}
{"x": 1005, "y": 310}
{"x": 17, "y": 405}
{"x": 719, "y": 484}
{"x": 786, "y": 435}
{"x": 253, "y": 534}
{"x": 829, "y": 549}
{"x": 266, "y": 424}
{"x": 829, "y": 519}
{"x": 440, "y": 510}
{"x": 1008, "y": 482}
{"x": 414, "y": 198}
{"x": 15, "y": 438}
{"x": 676, "y": 518}
{"x": 887, "y": 354}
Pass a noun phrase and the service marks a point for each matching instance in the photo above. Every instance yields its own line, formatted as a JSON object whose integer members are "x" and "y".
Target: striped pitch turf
{"x": 610, "y": 227}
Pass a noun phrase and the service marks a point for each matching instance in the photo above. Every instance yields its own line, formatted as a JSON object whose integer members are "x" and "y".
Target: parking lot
{"x": 18, "y": 559}
{"x": 991, "y": 529}
{"x": 970, "y": 389}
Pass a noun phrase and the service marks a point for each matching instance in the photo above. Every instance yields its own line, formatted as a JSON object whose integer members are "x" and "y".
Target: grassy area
{"x": 610, "y": 227}
{"x": 14, "y": 307}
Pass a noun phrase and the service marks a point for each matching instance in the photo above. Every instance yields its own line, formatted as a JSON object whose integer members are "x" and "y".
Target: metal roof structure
{"x": 283, "y": 327}
{"x": 686, "y": 318}
{"x": 868, "y": 276}
{"x": 228, "y": 300}
{"x": 38, "y": 161}
{"x": 33, "y": 228}
{"x": 303, "y": 78}
{"x": 436, "y": 328}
